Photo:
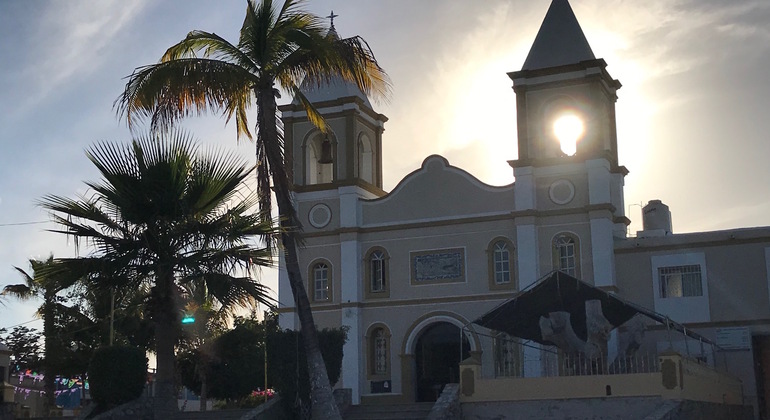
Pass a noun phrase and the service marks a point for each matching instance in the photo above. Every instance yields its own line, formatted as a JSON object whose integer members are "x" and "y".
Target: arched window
{"x": 315, "y": 172}
{"x": 320, "y": 276}
{"x": 377, "y": 271}
{"x": 502, "y": 260}
{"x": 566, "y": 256}
{"x": 378, "y": 352}
{"x": 365, "y": 159}
{"x": 376, "y": 274}
{"x": 501, "y": 275}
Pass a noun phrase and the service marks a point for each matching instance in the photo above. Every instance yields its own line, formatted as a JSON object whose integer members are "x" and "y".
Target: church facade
{"x": 408, "y": 271}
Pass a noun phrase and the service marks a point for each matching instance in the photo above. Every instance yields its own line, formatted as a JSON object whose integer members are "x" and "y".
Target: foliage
{"x": 112, "y": 382}
{"x": 237, "y": 362}
{"x": 165, "y": 215}
{"x": 77, "y": 338}
{"x": 24, "y": 344}
{"x": 46, "y": 283}
{"x": 284, "y": 362}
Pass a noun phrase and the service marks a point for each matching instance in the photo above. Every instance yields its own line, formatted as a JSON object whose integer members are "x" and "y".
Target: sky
{"x": 692, "y": 113}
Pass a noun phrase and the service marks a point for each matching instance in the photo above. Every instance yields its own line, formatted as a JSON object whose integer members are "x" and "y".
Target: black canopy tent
{"x": 558, "y": 291}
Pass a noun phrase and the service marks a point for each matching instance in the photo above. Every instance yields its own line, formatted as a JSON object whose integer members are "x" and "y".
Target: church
{"x": 409, "y": 272}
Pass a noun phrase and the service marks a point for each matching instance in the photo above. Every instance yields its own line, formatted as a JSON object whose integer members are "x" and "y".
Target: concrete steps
{"x": 212, "y": 414}
{"x": 414, "y": 411}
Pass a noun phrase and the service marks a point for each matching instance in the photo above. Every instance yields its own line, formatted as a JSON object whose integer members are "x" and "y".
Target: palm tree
{"x": 163, "y": 216}
{"x": 278, "y": 48}
{"x": 41, "y": 285}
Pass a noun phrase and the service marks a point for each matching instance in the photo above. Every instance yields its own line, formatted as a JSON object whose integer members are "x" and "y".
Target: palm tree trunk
{"x": 322, "y": 400}
{"x": 165, "y": 320}
{"x": 204, "y": 392}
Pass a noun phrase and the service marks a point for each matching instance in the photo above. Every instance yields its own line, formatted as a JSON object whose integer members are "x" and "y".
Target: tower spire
{"x": 331, "y": 18}
{"x": 559, "y": 41}
{"x": 332, "y": 30}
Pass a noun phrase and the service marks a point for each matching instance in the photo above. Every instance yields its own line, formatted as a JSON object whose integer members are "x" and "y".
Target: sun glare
{"x": 568, "y": 130}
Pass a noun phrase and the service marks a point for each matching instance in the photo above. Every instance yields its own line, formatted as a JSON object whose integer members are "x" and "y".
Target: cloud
{"x": 68, "y": 42}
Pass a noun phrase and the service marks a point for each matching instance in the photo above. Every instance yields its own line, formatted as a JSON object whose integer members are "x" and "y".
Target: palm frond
{"x": 313, "y": 115}
{"x": 233, "y": 292}
{"x": 319, "y": 62}
{"x": 171, "y": 90}
{"x": 212, "y": 46}
{"x": 19, "y": 291}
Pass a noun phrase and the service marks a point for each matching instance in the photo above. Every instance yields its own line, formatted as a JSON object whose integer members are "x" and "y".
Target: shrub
{"x": 117, "y": 375}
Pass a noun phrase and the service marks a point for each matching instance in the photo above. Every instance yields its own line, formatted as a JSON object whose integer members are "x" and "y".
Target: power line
{"x": 18, "y": 325}
{"x": 23, "y": 223}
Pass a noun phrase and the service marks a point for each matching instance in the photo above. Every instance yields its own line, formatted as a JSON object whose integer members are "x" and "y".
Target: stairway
{"x": 212, "y": 414}
{"x": 413, "y": 411}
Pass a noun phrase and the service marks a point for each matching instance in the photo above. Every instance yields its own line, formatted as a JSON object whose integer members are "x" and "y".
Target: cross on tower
{"x": 331, "y": 17}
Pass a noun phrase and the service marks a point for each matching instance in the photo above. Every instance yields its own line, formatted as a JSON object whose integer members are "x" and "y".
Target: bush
{"x": 117, "y": 375}
{"x": 286, "y": 360}
{"x": 235, "y": 367}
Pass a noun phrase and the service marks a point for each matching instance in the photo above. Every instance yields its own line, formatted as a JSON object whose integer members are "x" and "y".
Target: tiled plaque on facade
{"x": 438, "y": 266}
{"x": 734, "y": 338}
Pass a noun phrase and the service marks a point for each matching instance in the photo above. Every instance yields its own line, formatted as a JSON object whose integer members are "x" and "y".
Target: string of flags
{"x": 70, "y": 385}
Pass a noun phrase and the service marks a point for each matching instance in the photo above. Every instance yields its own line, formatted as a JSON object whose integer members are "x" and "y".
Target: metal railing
{"x": 552, "y": 365}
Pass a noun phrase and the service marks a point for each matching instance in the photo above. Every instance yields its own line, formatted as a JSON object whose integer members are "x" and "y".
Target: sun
{"x": 568, "y": 129}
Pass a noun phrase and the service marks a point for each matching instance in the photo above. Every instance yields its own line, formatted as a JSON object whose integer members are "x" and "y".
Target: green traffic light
{"x": 188, "y": 319}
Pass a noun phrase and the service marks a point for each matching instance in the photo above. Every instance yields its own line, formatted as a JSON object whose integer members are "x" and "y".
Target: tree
{"x": 45, "y": 284}
{"x": 278, "y": 47}
{"x": 165, "y": 215}
{"x": 208, "y": 323}
{"x": 24, "y": 344}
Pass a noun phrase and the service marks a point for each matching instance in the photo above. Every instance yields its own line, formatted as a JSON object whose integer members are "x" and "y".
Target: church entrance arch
{"x": 438, "y": 352}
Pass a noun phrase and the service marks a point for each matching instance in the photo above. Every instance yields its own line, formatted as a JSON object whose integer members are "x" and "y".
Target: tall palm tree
{"x": 41, "y": 285}
{"x": 278, "y": 48}
{"x": 163, "y": 216}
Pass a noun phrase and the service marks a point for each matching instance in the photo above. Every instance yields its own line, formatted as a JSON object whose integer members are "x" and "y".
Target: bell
{"x": 326, "y": 152}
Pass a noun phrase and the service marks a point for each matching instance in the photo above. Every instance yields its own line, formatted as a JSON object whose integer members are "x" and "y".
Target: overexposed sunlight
{"x": 568, "y": 129}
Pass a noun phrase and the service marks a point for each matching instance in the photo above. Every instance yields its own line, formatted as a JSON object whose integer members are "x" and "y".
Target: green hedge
{"x": 235, "y": 366}
{"x": 117, "y": 375}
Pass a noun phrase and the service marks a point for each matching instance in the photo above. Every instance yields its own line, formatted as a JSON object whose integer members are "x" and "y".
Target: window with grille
{"x": 502, "y": 263}
{"x": 566, "y": 258}
{"x": 377, "y": 271}
{"x": 507, "y": 356}
{"x": 680, "y": 281}
{"x": 321, "y": 281}
{"x": 380, "y": 350}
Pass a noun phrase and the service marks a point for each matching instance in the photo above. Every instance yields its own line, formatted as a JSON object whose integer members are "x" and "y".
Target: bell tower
{"x": 561, "y": 78}
{"x": 569, "y": 184}
{"x": 350, "y": 154}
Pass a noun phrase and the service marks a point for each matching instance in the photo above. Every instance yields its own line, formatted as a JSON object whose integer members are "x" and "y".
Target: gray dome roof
{"x": 335, "y": 89}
